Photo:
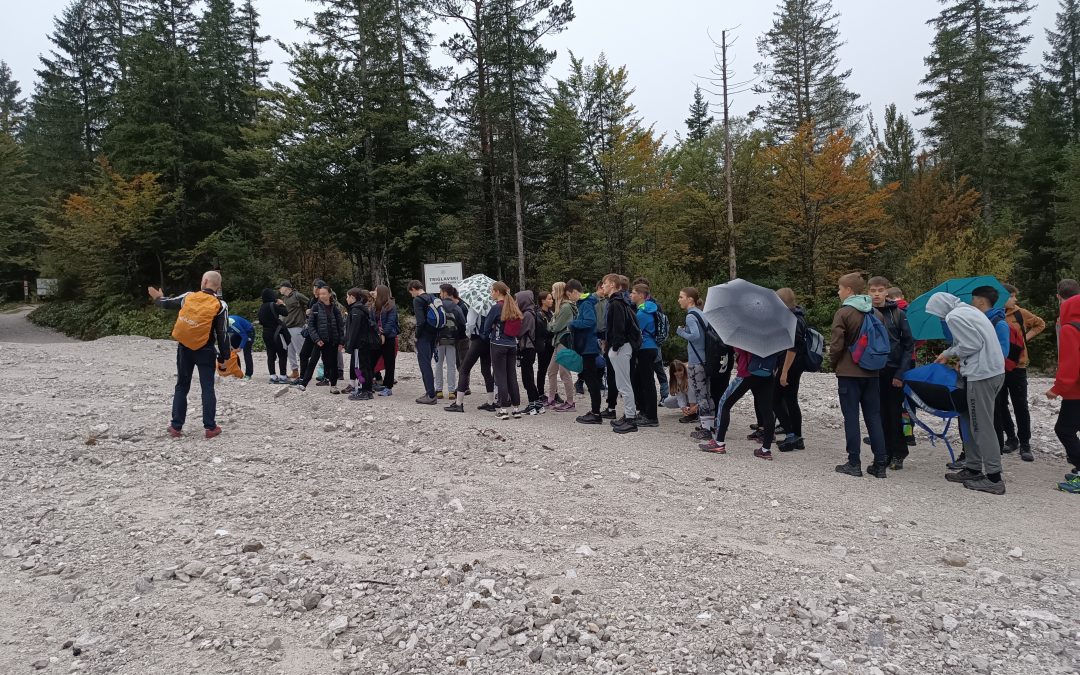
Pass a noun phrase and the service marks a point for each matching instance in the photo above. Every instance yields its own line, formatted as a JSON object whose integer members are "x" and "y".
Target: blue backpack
{"x": 870, "y": 351}
{"x": 436, "y": 313}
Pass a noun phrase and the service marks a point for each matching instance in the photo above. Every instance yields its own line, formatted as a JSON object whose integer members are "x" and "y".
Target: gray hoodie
{"x": 974, "y": 341}
{"x": 525, "y": 303}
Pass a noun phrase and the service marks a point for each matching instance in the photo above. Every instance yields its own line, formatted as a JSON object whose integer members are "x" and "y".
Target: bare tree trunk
{"x": 733, "y": 269}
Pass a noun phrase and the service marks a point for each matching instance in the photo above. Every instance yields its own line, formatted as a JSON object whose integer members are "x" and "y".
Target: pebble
{"x": 10, "y": 551}
{"x": 456, "y": 505}
{"x": 338, "y": 625}
{"x": 1016, "y": 553}
{"x": 635, "y": 477}
{"x": 143, "y": 586}
{"x": 955, "y": 559}
{"x": 584, "y": 550}
{"x": 272, "y": 644}
{"x": 252, "y": 547}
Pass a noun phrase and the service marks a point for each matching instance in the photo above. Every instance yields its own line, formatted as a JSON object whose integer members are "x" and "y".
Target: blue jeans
{"x": 425, "y": 352}
{"x": 864, "y": 393}
{"x": 186, "y": 362}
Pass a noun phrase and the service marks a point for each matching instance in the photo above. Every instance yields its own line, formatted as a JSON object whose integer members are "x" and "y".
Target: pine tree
{"x": 18, "y": 237}
{"x": 975, "y": 67}
{"x": 12, "y": 108}
{"x": 255, "y": 68}
{"x": 896, "y": 151}
{"x": 700, "y": 121}
{"x": 1062, "y": 62}
{"x": 801, "y": 72}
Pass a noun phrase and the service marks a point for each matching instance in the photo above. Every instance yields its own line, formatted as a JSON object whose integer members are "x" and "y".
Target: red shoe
{"x": 762, "y": 453}
{"x": 174, "y": 432}
{"x": 714, "y": 447}
{"x": 212, "y": 433}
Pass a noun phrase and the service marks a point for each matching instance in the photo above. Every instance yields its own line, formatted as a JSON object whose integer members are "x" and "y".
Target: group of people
{"x": 609, "y": 340}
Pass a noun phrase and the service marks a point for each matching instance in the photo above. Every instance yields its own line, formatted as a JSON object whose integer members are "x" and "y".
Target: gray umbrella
{"x": 750, "y": 317}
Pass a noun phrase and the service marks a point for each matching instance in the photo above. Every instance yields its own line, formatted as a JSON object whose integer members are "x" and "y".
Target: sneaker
{"x": 1011, "y": 445}
{"x": 538, "y": 408}
{"x": 1072, "y": 486}
{"x": 299, "y": 387}
{"x": 487, "y": 407}
{"x": 1025, "y": 453}
{"x": 849, "y": 469}
{"x": 756, "y": 436}
{"x": 367, "y": 396}
{"x": 439, "y": 396}
{"x": 503, "y": 414}
{"x": 615, "y": 423}
{"x": 455, "y": 408}
{"x": 958, "y": 464}
{"x": 516, "y": 414}
{"x": 323, "y": 383}
{"x": 1072, "y": 475}
{"x": 527, "y": 410}
{"x": 213, "y": 433}
{"x": 174, "y": 432}
{"x": 762, "y": 453}
{"x": 453, "y": 396}
{"x": 427, "y": 400}
{"x": 688, "y": 419}
{"x": 355, "y": 396}
{"x": 335, "y": 390}
{"x": 609, "y": 414}
{"x": 590, "y": 418}
{"x": 274, "y": 379}
{"x": 348, "y": 389}
{"x": 386, "y": 391}
{"x": 877, "y": 470}
{"x": 984, "y": 484}
{"x": 964, "y": 475}
{"x": 791, "y": 444}
{"x": 647, "y": 423}
{"x": 566, "y": 407}
{"x": 701, "y": 434}
{"x": 714, "y": 447}
{"x": 897, "y": 465}
{"x": 627, "y": 427}
{"x": 377, "y": 388}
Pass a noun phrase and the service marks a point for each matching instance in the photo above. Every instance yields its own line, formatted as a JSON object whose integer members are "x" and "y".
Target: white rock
{"x": 584, "y": 550}
{"x": 338, "y": 625}
{"x": 455, "y": 504}
{"x": 635, "y": 477}
{"x": 1016, "y": 553}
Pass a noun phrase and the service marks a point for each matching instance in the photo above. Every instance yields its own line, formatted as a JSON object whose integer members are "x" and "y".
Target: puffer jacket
{"x": 326, "y": 324}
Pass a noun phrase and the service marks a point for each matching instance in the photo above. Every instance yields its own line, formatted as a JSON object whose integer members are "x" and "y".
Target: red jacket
{"x": 1067, "y": 382}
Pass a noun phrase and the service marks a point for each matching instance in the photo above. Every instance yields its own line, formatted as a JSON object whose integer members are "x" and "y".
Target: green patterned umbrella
{"x": 476, "y": 292}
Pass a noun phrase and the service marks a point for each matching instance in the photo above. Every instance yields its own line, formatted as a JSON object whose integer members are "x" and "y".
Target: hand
{"x": 896, "y": 382}
{"x": 321, "y": 343}
{"x": 783, "y": 379}
{"x": 941, "y": 359}
{"x": 1051, "y": 394}
{"x": 155, "y": 293}
{"x": 280, "y": 301}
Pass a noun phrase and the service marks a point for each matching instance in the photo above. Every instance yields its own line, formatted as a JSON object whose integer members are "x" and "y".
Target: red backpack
{"x": 1017, "y": 344}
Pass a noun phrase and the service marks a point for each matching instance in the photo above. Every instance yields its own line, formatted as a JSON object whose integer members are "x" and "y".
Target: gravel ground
{"x": 15, "y": 328}
{"x": 318, "y": 535}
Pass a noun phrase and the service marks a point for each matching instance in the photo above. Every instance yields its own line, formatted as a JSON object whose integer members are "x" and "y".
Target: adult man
{"x": 297, "y": 305}
{"x": 202, "y": 334}
{"x": 1067, "y": 381}
{"x": 982, "y": 366}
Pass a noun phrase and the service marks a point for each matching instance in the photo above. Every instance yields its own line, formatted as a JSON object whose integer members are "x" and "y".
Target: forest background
{"x": 153, "y": 146}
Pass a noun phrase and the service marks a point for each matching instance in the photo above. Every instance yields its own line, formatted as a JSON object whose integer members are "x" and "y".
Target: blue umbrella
{"x": 928, "y": 327}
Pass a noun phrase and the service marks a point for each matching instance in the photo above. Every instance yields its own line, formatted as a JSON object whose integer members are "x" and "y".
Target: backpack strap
{"x": 703, "y": 329}
{"x": 1020, "y": 324}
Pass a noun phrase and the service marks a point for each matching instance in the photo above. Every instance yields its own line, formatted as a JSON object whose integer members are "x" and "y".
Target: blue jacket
{"x": 242, "y": 328}
{"x": 584, "y": 327}
{"x": 646, "y": 319}
{"x": 1001, "y": 328}
{"x": 493, "y": 328}
{"x": 388, "y": 320}
{"x": 694, "y": 335}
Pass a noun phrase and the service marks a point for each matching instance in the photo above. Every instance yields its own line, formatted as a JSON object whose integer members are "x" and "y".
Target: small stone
{"x": 584, "y": 550}
{"x": 40, "y": 664}
{"x": 11, "y": 551}
{"x": 949, "y": 623}
{"x": 634, "y": 477}
{"x": 100, "y": 430}
{"x": 329, "y": 426}
{"x": 311, "y": 601}
{"x": 281, "y": 392}
{"x": 271, "y": 644}
{"x": 257, "y": 600}
{"x": 194, "y": 568}
{"x": 954, "y": 559}
{"x": 981, "y": 664}
{"x": 143, "y": 586}
{"x": 1016, "y": 553}
{"x": 252, "y": 547}
{"x": 338, "y": 625}
{"x": 837, "y": 551}
{"x": 455, "y": 504}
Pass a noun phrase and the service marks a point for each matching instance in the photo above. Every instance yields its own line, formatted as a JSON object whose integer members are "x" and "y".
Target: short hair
{"x": 449, "y": 290}
{"x": 642, "y": 289}
{"x": 894, "y": 293}
{"x": 621, "y": 282}
{"x": 692, "y": 293}
{"x": 214, "y": 278}
{"x": 853, "y": 282}
{"x": 879, "y": 281}
{"x": 642, "y": 280}
{"x": 416, "y": 285}
{"x": 1010, "y": 289}
{"x": 1068, "y": 288}
{"x": 988, "y": 293}
{"x": 788, "y": 296}
{"x": 574, "y": 285}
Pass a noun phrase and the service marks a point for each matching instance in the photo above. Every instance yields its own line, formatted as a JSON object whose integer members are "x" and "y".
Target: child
{"x": 694, "y": 334}
{"x": 786, "y": 398}
{"x": 503, "y": 327}
{"x": 361, "y": 341}
{"x": 586, "y": 344}
{"x": 857, "y": 388}
{"x": 982, "y": 368}
{"x": 448, "y": 339}
{"x": 760, "y": 379}
{"x": 984, "y": 299}
{"x": 386, "y": 321}
{"x": 276, "y": 335}
{"x": 891, "y": 377}
{"x": 894, "y": 294}
{"x": 565, "y": 311}
{"x": 326, "y": 330}
{"x": 679, "y": 395}
{"x": 644, "y": 366}
{"x": 1018, "y": 437}
{"x": 526, "y": 354}
{"x": 1067, "y": 382}
{"x": 623, "y": 342}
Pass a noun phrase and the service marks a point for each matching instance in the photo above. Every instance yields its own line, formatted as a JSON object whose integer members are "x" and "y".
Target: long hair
{"x": 510, "y": 309}
{"x": 558, "y": 290}
{"x": 383, "y": 299}
{"x": 678, "y": 378}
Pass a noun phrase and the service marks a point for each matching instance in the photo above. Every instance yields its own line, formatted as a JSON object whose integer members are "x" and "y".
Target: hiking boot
{"x": 174, "y": 432}
{"x": 849, "y": 469}
{"x": 984, "y": 484}
{"x": 1025, "y": 453}
{"x": 688, "y": 419}
{"x": 609, "y": 414}
{"x": 213, "y": 433}
{"x": 762, "y": 453}
{"x": 897, "y": 465}
{"x": 1072, "y": 486}
{"x": 455, "y": 407}
{"x": 964, "y": 475}
{"x": 791, "y": 444}
{"x": 646, "y": 422}
{"x": 366, "y": 396}
{"x": 701, "y": 434}
{"x": 627, "y": 427}
{"x": 590, "y": 418}
{"x": 877, "y": 470}
{"x": 386, "y": 391}
{"x": 713, "y": 447}
{"x": 427, "y": 400}
{"x": 615, "y": 423}
{"x": 355, "y": 396}
{"x": 1011, "y": 445}
{"x": 487, "y": 407}
{"x": 453, "y": 396}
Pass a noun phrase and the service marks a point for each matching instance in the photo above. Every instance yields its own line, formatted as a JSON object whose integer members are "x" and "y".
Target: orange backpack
{"x": 196, "y": 320}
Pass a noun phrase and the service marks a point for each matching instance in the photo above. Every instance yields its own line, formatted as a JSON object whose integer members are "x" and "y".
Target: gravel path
{"x": 14, "y": 327}
{"x": 318, "y": 535}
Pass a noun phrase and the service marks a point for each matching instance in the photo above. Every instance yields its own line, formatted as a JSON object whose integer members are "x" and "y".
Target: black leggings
{"x": 306, "y": 352}
{"x": 527, "y": 359}
{"x": 388, "y": 352}
{"x": 478, "y": 350}
{"x": 762, "y": 388}
{"x": 641, "y": 377}
{"x": 328, "y": 352}
{"x": 543, "y": 360}
{"x": 276, "y": 354}
{"x": 786, "y": 402}
{"x": 504, "y": 368}
{"x": 1068, "y": 430}
{"x": 361, "y": 361}
{"x": 591, "y": 374}
{"x": 612, "y": 389}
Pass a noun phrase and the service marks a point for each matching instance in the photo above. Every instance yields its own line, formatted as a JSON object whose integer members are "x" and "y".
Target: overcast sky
{"x": 664, "y": 44}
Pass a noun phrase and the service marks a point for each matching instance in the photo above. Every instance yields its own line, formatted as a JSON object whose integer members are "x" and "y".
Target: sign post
{"x": 437, "y": 274}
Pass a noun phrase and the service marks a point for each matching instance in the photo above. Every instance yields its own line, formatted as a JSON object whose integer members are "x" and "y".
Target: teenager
{"x": 479, "y": 350}
{"x": 526, "y": 354}
{"x": 694, "y": 334}
{"x": 760, "y": 380}
{"x": 276, "y": 335}
{"x": 588, "y": 346}
{"x": 658, "y": 365}
{"x": 503, "y": 328}
{"x": 1015, "y": 388}
{"x": 326, "y": 328}
{"x": 427, "y": 336}
{"x": 891, "y": 377}
{"x": 1067, "y": 381}
{"x": 296, "y": 305}
{"x": 858, "y": 389}
{"x": 449, "y": 336}
{"x": 786, "y": 392}
{"x": 642, "y": 374}
{"x": 308, "y": 347}
{"x": 361, "y": 342}
{"x": 623, "y": 342}
{"x": 386, "y": 322}
{"x": 545, "y": 313}
{"x": 982, "y": 366}
{"x": 565, "y": 311}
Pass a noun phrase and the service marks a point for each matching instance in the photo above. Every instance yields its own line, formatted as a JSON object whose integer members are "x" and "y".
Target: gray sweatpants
{"x": 448, "y": 363}
{"x": 294, "y": 348}
{"x": 620, "y": 363}
{"x": 982, "y": 450}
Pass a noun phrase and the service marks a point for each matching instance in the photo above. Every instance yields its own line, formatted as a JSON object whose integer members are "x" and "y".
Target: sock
{"x": 994, "y": 477}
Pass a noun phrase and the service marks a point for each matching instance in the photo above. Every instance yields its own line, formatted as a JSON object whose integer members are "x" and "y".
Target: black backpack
{"x": 542, "y": 337}
{"x": 717, "y": 354}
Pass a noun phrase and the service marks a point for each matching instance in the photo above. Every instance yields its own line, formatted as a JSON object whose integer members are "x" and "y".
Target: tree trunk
{"x": 732, "y": 267}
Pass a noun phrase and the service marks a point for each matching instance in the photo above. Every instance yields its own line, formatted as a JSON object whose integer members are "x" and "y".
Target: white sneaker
{"x": 299, "y": 387}
{"x": 274, "y": 379}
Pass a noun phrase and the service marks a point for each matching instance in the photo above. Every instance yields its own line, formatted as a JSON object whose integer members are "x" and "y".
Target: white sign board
{"x": 437, "y": 274}
{"x": 46, "y": 287}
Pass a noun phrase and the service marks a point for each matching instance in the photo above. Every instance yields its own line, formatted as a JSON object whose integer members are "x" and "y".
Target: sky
{"x": 665, "y": 45}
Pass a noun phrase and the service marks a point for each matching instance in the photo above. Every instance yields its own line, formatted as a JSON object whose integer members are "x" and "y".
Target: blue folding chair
{"x": 934, "y": 390}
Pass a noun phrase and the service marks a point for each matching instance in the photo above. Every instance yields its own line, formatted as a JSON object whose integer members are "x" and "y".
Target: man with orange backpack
{"x": 202, "y": 334}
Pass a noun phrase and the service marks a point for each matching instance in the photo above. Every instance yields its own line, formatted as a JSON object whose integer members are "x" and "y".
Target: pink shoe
{"x": 566, "y": 407}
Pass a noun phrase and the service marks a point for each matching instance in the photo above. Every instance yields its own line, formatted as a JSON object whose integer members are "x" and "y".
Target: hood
{"x": 940, "y": 304}
{"x": 860, "y": 302}
{"x": 621, "y": 296}
{"x": 996, "y": 314}
{"x": 1070, "y": 310}
{"x": 524, "y": 300}
{"x": 902, "y": 304}
{"x": 269, "y": 295}
{"x": 798, "y": 311}
{"x": 649, "y": 307}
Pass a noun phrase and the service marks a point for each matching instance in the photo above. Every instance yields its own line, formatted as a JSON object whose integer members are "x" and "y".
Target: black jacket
{"x": 362, "y": 331}
{"x": 622, "y": 325}
{"x": 424, "y": 330}
{"x": 270, "y": 312}
{"x": 902, "y": 353}
{"x": 325, "y": 323}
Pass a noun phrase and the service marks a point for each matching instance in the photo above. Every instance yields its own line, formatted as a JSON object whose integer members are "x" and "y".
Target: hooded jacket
{"x": 270, "y": 312}
{"x": 1029, "y": 324}
{"x": 622, "y": 326}
{"x": 1067, "y": 380}
{"x": 527, "y": 339}
{"x": 646, "y": 320}
{"x": 584, "y": 327}
{"x": 974, "y": 340}
{"x": 296, "y": 305}
{"x": 694, "y": 334}
{"x": 901, "y": 353}
{"x": 387, "y": 321}
{"x": 799, "y": 346}
{"x": 362, "y": 332}
{"x": 452, "y": 309}
{"x": 560, "y": 325}
{"x": 846, "y": 327}
{"x": 1001, "y": 328}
